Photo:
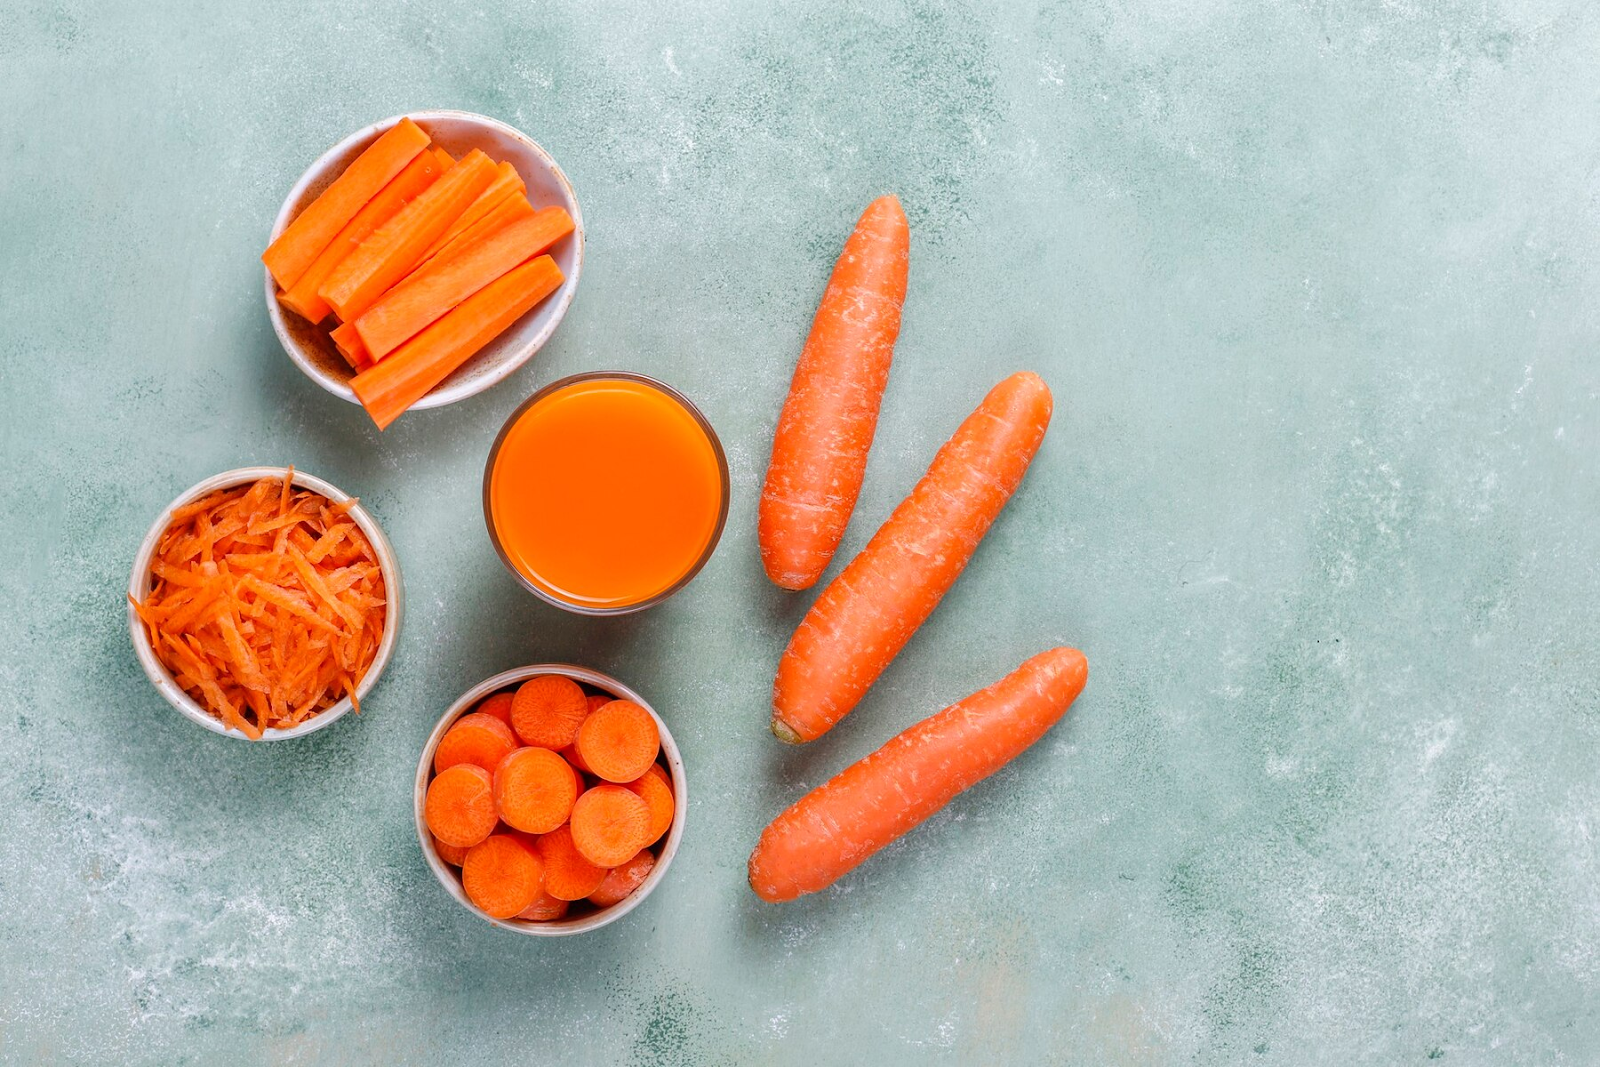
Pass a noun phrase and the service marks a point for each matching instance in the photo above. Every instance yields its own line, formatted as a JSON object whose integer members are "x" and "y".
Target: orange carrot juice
{"x": 605, "y": 492}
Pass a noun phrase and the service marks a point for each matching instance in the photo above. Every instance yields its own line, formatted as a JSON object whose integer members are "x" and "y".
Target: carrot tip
{"x": 783, "y": 732}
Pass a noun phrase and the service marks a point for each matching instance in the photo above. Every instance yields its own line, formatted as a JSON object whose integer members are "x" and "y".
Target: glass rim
{"x": 722, "y": 478}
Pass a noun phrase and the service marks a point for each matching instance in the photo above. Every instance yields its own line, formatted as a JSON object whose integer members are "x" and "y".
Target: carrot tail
{"x": 867, "y": 614}
{"x": 830, "y": 831}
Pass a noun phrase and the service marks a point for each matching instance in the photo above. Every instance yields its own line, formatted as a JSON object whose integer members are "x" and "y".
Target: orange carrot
{"x": 654, "y": 789}
{"x": 609, "y": 824}
{"x": 867, "y": 614}
{"x": 545, "y": 909}
{"x": 446, "y": 160}
{"x": 451, "y": 854}
{"x": 506, "y": 184}
{"x": 547, "y": 711}
{"x": 303, "y": 240}
{"x": 408, "y": 373}
{"x": 459, "y": 806}
{"x": 348, "y": 342}
{"x": 598, "y": 701}
{"x": 434, "y": 289}
{"x": 835, "y": 827}
{"x": 498, "y": 705}
{"x": 619, "y": 741}
{"x": 479, "y": 739}
{"x": 302, "y": 298}
{"x": 621, "y": 881}
{"x": 397, "y": 246}
{"x": 502, "y": 876}
{"x": 570, "y": 754}
{"x": 567, "y": 875}
{"x": 819, "y": 453}
{"x": 534, "y": 789}
{"x": 512, "y": 209}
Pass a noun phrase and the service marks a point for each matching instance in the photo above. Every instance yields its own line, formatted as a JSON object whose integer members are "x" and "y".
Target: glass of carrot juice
{"x": 605, "y": 492}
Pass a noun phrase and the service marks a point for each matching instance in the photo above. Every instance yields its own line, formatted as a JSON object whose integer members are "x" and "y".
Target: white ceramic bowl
{"x": 669, "y": 846}
{"x": 458, "y": 132}
{"x": 139, "y": 586}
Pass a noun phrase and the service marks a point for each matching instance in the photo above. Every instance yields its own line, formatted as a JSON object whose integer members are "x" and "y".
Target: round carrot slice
{"x": 498, "y": 705}
{"x": 619, "y": 741}
{"x": 548, "y": 710}
{"x": 476, "y": 738}
{"x": 657, "y": 795}
{"x": 621, "y": 881}
{"x": 609, "y": 824}
{"x": 459, "y": 807}
{"x": 534, "y": 789}
{"x": 502, "y": 876}
{"x": 598, "y": 701}
{"x": 570, "y": 754}
{"x": 567, "y": 875}
{"x": 451, "y": 854}
{"x": 546, "y": 909}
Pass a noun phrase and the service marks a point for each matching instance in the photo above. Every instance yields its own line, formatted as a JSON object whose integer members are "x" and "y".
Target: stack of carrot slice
{"x": 266, "y": 604}
{"x": 549, "y": 799}
{"x": 420, "y": 258}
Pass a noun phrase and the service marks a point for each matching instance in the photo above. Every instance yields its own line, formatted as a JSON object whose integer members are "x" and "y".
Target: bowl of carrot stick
{"x": 550, "y": 800}
{"x": 264, "y": 603}
{"x": 422, "y": 260}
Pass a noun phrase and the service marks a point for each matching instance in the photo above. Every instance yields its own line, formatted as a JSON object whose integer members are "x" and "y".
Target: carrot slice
{"x": 502, "y": 876}
{"x": 619, "y": 741}
{"x": 451, "y": 854}
{"x": 301, "y": 297}
{"x": 498, "y": 705}
{"x": 653, "y": 789}
{"x": 621, "y": 881}
{"x": 534, "y": 790}
{"x": 545, "y": 909}
{"x": 507, "y": 183}
{"x": 397, "y": 246}
{"x": 609, "y": 824}
{"x": 570, "y": 754}
{"x": 547, "y": 711}
{"x": 599, "y": 700}
{"x": 567, "y": 875}
{"x": 298, "y": 246}
{"x": 459, "y": 806}
{"x": 408, "y": 373}
{"x": 479, "y": 739}
{"x": 435, "y": 288}
{"x": 511, "y": 209}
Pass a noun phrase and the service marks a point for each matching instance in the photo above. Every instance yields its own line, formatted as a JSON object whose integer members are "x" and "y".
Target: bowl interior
{"x": 668, "y": 846}
{"x": 458, "y": 132}
{"x": 139, "y": 586}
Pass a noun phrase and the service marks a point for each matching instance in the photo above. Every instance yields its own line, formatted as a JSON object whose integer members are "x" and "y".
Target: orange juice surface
{"x": 605, "y": 493}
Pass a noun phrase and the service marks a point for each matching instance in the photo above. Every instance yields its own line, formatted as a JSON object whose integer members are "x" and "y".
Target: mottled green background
{"x": 1315, "y": 285}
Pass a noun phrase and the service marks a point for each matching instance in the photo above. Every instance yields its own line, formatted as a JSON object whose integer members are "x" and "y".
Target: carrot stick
{"x": 303, "y": 240}
{"x": 567, "y": 875}
{"x": 609, "y": 824}
{"x": 507, "y": 183}
{"x": 819, "y": 453}
{"x": 479, "y": 739}
{"x": 302, "y": 298}
{"x": 867, "y": 614}
{"x": 350, "y": 346}
{"x": 397, "y": 246}
{"x": 832, "y": 829}
{"x": 459, "y": 805}
{"x": 619, "y": 741}
{"x": 620, "y": 882}
{"x": 434, "y": 289}
{"x": 534, "y": 790}
{"x": 446, "y": 160}
{"x": 547, "y": 711}
{"x": 511, "y": 209}
{"x": 408, "y": 373}
{"x": 502, "y": 876}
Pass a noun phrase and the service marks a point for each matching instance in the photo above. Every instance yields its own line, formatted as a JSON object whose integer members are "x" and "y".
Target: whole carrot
{"x": 819, "y": 453}
{"x": 834, "y": 828}
{"x": 867, "y": 614}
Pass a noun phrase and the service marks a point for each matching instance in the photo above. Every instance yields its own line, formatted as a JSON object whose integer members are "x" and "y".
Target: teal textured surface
{"x": 1314, "y": 285}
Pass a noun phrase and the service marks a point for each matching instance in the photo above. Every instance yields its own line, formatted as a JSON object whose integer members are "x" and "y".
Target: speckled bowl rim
{"x": 561, "y": 927}
{"x": 139, "y": 585}
{"x": 510, "y": 365}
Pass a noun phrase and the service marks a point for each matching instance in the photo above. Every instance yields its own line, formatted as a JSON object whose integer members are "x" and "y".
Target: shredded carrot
{"x": 266, "y": 603}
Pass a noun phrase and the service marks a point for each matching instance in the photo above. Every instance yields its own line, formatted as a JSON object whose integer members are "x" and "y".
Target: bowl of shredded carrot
{"x": 550, "y": 800}
{"x": 422, "y": 260}
{"x": 264, "y": 603}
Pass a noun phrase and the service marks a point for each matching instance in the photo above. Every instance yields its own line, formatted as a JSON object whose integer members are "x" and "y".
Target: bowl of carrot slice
{"x": 550, "y": 800}
{"x": 264, "y": 603}
{"x": 423, "y": 259}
